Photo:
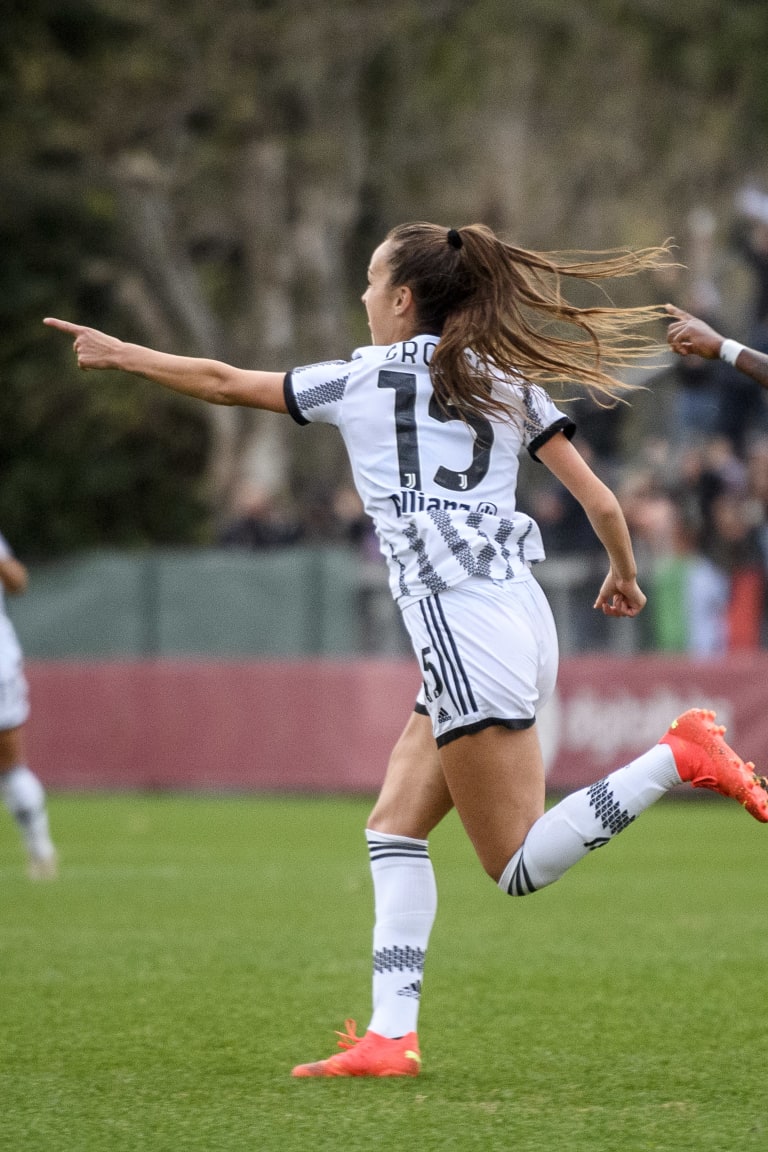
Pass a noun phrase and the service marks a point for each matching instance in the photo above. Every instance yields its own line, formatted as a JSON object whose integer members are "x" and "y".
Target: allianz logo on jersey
{"x": 407, "y": 501}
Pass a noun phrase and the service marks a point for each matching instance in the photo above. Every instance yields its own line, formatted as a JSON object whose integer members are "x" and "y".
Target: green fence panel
{"x": 86, "y": 605}
{"x": 210, "y": 603}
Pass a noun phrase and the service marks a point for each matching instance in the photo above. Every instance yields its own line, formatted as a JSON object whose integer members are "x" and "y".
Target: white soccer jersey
{"x": 5, "y": 554}
{"x": 441, "y": 492}
{"x": 9, "y": 644}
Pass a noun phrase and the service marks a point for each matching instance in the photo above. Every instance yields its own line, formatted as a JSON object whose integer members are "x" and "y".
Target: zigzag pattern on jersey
{"x": 533, "y": 423}
{"x": 427, "y": 574}
{"x": 610, "y": 813}
{"x": 398, "y": 959}
{"x": 477, "y": 565}
{"x": 503, "y": 533}
{"x": 321, "y": 394}
{"x": 403, "y": 587}
{"x": 521, "y": 544}
{"x": 461, "y": 550}
{"x": 406, "y": 849}
{"x": 473, "y": 565}
{"x": 320, "y": 364}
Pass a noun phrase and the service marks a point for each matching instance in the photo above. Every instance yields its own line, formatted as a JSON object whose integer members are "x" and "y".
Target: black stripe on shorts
{"x": 479, "y": 725}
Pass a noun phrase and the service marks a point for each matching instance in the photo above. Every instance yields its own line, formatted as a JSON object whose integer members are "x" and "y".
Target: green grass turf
{"x": 156, "y": 997}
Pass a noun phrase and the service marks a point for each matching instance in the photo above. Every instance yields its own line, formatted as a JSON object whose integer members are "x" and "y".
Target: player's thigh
{"x": 496, "y": 780}
{"x": 414, "y": 796}
{"x": 14, "y": 709}
{"x": 11, "y": 748}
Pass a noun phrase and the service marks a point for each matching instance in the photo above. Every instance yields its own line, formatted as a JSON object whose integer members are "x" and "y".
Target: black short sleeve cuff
{"x": 290, "y": 400}
{"x": 564, "y": 425}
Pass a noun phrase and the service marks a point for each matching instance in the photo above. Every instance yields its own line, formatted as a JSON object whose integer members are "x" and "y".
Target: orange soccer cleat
{"x": 369, "y": 1055}
{"x": 704, "y": 759}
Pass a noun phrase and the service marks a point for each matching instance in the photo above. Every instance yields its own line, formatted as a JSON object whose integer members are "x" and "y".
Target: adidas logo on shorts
{"x": 443, "y": 717}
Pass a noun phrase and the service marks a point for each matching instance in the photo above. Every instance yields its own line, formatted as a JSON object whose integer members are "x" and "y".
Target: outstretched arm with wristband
{"x": 689, "y": 336}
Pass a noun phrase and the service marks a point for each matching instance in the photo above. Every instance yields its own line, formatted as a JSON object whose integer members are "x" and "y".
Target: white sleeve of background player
{"x": 543, "y": 419}
{"x": 315, "y": 391}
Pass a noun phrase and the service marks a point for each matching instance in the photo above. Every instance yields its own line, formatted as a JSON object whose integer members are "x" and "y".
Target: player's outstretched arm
{"x": 209, "y": 380}
{"x": 688, "y": 335}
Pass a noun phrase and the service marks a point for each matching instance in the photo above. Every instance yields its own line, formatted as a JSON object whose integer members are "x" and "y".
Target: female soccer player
{"x": 466, "y": 331}
{"x": 20, "y": 788}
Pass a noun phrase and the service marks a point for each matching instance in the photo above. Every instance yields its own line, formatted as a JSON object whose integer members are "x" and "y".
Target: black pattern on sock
{"x": 612, "y": 816}
{"x": 380, "y": 849}
{"x": 398, "y": 959}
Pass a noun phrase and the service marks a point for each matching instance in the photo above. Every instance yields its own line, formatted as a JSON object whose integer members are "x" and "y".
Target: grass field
{"x": 156, "y": 997}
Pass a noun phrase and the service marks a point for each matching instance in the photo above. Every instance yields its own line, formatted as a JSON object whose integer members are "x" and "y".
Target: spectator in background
{"x": 700, "y": 399}
{"x": 734, "y": 534}
{"x": 564, "y": 526}
{"x": 668, "y": 512}
{"x": 735, "y": 548}
{"x": 258, "y": 521}
{"x": 757, "y": 487}
{"x": 758, "y": 515}
{"x": 646, "y": 506}
{"x": 21, "y": 790}
{"x": 338, "y": 517}
{"x": 705, "y": 474}
{"x": 743, "y": 414}
{"x": 749, "y": 237}
{"x": 601, "y": 429}
{"x": 689, "y": 592}
{"x": 697, "y": 399}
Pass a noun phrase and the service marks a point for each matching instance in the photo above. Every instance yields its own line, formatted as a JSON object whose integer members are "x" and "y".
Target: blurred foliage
{"x": 211, "y": 179}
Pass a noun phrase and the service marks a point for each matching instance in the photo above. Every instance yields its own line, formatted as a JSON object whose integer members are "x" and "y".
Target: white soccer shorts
{"x": 488, "y": 655}
{"x": 14, "y": 693}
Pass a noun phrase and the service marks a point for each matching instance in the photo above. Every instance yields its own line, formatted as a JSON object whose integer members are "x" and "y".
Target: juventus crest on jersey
{"x": 440, "y": 490}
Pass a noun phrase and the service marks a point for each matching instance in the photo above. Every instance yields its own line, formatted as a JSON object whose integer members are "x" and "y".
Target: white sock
{"x": 24, "y": 797}
{"x": 405, "y": 896}
{"x": 588, "y": 819}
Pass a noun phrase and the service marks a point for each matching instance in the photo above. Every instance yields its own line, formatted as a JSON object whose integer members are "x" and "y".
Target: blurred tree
{"x": 211, "y": 179}
{"x": 79, "y": 464}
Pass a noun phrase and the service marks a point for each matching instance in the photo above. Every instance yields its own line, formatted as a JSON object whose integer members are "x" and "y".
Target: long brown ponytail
{"x": 504, "y": 304}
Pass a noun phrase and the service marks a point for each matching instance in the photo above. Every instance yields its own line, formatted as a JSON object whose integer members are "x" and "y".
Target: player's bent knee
{"x": 494, "y": 865}
{"x": 393, "y": 823}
